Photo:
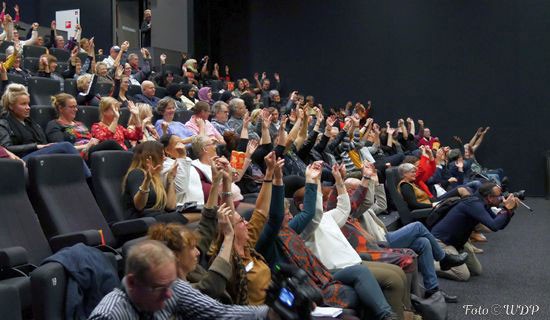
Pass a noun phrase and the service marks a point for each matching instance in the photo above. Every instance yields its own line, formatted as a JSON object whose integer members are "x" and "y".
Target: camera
{"x": 518, "y": 194}
{"x": 290, "y": 295}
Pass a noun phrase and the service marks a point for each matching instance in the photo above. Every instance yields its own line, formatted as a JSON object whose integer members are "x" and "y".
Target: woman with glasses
{"x": 188, "y": 246}
{"x": 66, "y": 128}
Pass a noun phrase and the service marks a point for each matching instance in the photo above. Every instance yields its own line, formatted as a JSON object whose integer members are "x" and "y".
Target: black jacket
{"x": 18, "y": 138}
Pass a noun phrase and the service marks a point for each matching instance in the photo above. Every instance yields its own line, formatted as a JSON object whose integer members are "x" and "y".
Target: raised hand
{"x": 337, "y": 174}
{"x": 151, "y": 169}
{"x": 251, "y": 147}
{"x": 256, "y": 76}
{"x": 331, "y": 120}
{"x": 367, "y": 169}
{"x": 313, "y": 172}
{"x": 172, "y": 173}
{"x": 226, "y": 69}
{"x": 163, "y": 58}
{"x": 118, "y": 72}
{"x": 216, "y": 167}
{"x": 124, "y": 46}
{"x": 266, "y": 118}
{"x": 246, "y": 119}
{"x": 421, "y": 122}
{"x": 486, "y": 129}
{"x": 457, "y": 139}
{"x": 16, "y": 8}
{"x": 276, "y": 77}
{"x": 145, "y": 53}
{"x": 264, "y": 75}
{"x": 270, "y": 161}
{"x": 134, "y": 110}
{"x": 224, "y": 220}
{"x": 278, "y": 173}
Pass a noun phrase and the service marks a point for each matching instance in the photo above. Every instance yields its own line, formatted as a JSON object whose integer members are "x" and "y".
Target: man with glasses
{"x": 221, "y": 116}
{"x": 152, "y": 290}
{"x": 453, "y": 231}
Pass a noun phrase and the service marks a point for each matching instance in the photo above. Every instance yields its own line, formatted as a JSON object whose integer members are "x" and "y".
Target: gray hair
{"x": 164, "y": 103}
{"x": 233, "y": 103}
{"x": 198, "y": 143}
{"x": 404, "y": 168}
{"x": 145, "y": 254}
{"x": 273, "y": 93}
{"x": 216, "y": 107}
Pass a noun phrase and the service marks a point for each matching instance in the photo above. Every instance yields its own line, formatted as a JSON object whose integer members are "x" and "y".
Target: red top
{"x": 101, "y": 132}
{"x": 425, "y": 170}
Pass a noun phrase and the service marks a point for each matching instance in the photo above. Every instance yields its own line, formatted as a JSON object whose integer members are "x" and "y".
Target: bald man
{"x": 147, "y": 94}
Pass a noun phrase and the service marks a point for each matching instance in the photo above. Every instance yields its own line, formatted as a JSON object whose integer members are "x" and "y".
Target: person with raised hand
{"x": 252, "y": 274}
{"x": 20, "y": 134}
{"x": 108, "y": 127}
{"x": 145, "y": 192}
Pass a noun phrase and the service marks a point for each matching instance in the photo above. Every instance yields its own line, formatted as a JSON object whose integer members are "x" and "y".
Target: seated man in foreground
{"x": 152, "y": 290}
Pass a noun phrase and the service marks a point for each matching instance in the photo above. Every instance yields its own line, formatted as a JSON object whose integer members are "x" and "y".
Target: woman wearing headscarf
{"x": 205, "y": 94}
{"x": 188, "y": 96}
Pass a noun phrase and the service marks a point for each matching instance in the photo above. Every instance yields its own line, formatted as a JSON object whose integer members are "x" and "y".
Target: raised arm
{"x": 276, "y": 210}
{"x": 300, "y": 221}
{"x": 259, "y": 216}
{"x": 343, "y": 206}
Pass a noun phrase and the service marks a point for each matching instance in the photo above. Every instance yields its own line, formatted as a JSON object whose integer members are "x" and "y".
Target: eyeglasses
{"x": 159, "y": 289}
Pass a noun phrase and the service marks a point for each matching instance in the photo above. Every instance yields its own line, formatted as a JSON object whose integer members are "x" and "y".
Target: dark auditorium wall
{"x": 456, "y": 64}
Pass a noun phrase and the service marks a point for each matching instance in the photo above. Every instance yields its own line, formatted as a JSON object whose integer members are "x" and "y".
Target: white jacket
{"x": 325, "y": 239}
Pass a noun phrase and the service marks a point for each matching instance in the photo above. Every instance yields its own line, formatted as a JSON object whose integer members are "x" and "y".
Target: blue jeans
{"x": 60, "y": 147}
{"x": 415, "y": 236}
{"x": 367, "y": 289}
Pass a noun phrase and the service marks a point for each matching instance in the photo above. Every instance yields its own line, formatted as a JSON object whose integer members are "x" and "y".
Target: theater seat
{"x": 70, "y": 87}
{"x": 42, "y": 89}
{"x": 161, "y": 92}
{"x": 104, "y": 89}
{"x": 61, "y": 54}
{"x": 24, "y": 246}
{"x": 43, "y": 114}
{"x": 183, "y": 116}
{"x": 65, "y": 204}
{"x": 88, "y": 115}
{"x": 33, "y": 51}
{"x": 10, "y": 307}
{"x": 15, "y": 78}
{"x": 405, "y": 214}
{"x": 133, "y": 90}
{"x": 31, "y": 63}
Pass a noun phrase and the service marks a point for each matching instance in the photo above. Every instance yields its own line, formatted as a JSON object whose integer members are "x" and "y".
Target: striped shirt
{"x": 185, "y": 303}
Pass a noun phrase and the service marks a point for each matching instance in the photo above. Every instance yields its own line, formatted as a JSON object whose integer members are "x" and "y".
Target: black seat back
{"x": 392, "y": 180}
{"x": 62, "y": 198}
{"x": 104, "y": 89}
{"x": 42, "y": 89}
{"x": 33, "y": 51}
{"x": 70, "y": 87}
{"x": 108, "y": 170}
{"x": 19, "y": 226}
{"x": 31, "y": 63}
{"x": 61, "y": 54}
{"x": 43, "y": 114}
{"x": 133, "y": 90}
{"x": 124, "y": 117}
{"x": 15, "y": 78}
{"x": 161, "y": 92}
{"x": 183, "y": 115}
{"x": 88, "y": 115}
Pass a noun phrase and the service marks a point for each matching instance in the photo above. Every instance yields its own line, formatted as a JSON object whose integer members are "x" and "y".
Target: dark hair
{"x": 200, "y": 107}
{"x": 410, "y": 159}
{"x": 486, "y": 189}
{"x": 165, "y": 140}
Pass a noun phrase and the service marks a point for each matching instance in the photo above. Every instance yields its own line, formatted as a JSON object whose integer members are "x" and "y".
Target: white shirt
{"x": 207, "y": 171}
{"x": 109, "y": 61}
{"x": 325, "y": 239}
{"x": 186, "y": 182}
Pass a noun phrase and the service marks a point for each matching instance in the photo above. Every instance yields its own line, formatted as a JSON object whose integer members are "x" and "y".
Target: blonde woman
{"x": 109, "y": 129}
{"x": 145, "y": 115}
{"x": 144, "y": 191}
{"x": 22, "y": 136}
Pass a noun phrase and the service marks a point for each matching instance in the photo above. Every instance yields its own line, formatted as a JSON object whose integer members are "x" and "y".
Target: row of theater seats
{"x": 41, "y": 89}
{"x": 58, "y": 211}
{"x": 89, "y": 115}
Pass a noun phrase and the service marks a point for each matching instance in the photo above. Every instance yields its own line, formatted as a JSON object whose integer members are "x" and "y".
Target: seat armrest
{"x": 13, "y": 257}
{"x": 132, "y": 228}
{"x": 90, "y": 238}
{"x": 419, "y": 214}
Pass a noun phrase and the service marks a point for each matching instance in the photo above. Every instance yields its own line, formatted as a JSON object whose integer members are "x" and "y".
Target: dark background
{"x": 457, "y": 65}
